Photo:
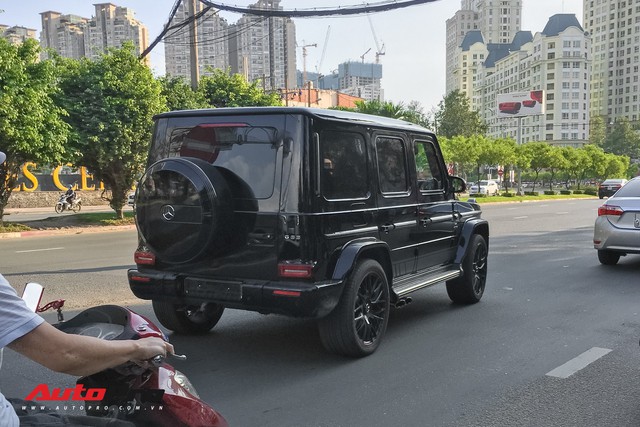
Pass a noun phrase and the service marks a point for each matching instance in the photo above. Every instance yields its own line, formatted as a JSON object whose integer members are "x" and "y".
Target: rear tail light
{"x": 610, "y": 210}
{"x": 295, "y": 270}
{"x": 145, "y": 258}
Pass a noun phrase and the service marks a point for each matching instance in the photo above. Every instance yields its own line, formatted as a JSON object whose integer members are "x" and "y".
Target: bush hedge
{"x": 566, "y": 192}
{"x": 550, "y": 193}
{"x": 531, "y": 193}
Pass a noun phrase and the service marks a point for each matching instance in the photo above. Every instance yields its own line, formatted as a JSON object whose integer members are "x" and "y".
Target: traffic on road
{"x": 553, "y": 342}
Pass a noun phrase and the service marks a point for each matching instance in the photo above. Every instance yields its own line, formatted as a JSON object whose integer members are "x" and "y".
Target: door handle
{"x": 425, "y": 221}
{"x": 387, "y": 227}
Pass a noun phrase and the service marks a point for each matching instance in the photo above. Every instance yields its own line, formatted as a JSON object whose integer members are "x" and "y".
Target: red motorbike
{"x": 157, "y": 395}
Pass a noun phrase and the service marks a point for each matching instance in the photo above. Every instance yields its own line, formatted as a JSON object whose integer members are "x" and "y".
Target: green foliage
{"x": 180, "y": 95}
{"x": 454, "y": 117}
{"x": 622, "y": 140}
{"x": 597, "y": 131}
{"x": 222, "y": 89}
{"x": 591, "y": 191}
{"x": 110, "y": 103}
{"x": 31, "y": 125}
{"x": 550, "y": 192}
{"x": 567, "y": 192}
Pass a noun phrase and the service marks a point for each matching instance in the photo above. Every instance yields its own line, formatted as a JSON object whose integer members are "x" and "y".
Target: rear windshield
{"x": 247, "y": 150}
{"x": 630, "y": 189}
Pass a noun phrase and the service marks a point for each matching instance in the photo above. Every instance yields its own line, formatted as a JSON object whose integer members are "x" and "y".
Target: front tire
{"x": 469, "y": 288}
{"x": 188, "y": 319}
{"x": 608, "y": 257}
{"x": 59, "y": 207}
{"x": 357, "y": 325}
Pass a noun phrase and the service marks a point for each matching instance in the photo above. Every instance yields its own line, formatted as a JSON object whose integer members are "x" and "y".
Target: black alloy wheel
{"x": 358, "y": 323}
{"x": 469, "y": 288}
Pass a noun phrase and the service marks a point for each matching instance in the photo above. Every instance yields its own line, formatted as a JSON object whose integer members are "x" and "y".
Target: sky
{"x": 413, "y": 66}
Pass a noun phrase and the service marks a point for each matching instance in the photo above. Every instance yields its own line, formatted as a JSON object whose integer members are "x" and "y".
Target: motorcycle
{"x": 62, "y": 204}
{"x": 154, "y": 395}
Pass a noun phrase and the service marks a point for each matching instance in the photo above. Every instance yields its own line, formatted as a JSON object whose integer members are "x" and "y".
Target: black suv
{"x": 303, "y": 212}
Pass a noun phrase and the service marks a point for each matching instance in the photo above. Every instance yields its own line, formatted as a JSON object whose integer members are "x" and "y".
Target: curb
{"x": 70, "y": 230}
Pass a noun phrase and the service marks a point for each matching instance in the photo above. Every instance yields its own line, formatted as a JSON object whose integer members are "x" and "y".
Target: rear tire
{"x": 357, "y": 325}
{"x": 469, "y": 288}
{"x": 77, "y": 207}
{"x": 608, "y": 257}
{"x": 188, "y": 319}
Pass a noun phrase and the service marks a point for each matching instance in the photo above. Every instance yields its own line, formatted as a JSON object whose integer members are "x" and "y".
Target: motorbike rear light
{"x": 145, "y": 258}
{"x": 294, "y": 270}
{"x": 141, "y": 279}
{"x": 610, "y": 210}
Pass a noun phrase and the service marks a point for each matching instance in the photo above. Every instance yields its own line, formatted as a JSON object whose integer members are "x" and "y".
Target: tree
{"x": 180, "y": 95}
{"x": 31, "y": 125}
{"x": 222, "y": 89}
{"x": 577, "y": 163}
{"x": 111, "y": 103}
{"x": 538, "y": 153}
{"x": 597, "y": 131}
{"x": 596, "y": 167}
{"x": 462, "y": 151}
{"x": 555, "y": 162}
{"x": 454, "y": 117}
{"x": 623, "y": 140}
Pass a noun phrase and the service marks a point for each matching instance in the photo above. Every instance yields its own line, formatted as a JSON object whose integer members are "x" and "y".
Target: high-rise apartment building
{"x": 614, "y": 26}
{"x": 212, "y": 43}
{"x": 361, "y": 79}
{"x": 17, "y": 35}
{"x": 76, "y": 37}
{"x": 112, "y": 26}
{"x": 497, "y": 20}
{"x": 555, "y": 61}
{"x": 263, "y": 48}
{"x": 63, "y": 34}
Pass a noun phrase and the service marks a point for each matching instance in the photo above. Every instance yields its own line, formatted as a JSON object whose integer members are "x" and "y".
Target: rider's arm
{"x": 83, "y": 355}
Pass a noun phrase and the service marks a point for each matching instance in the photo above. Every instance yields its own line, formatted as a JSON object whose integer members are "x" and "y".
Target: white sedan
{"x": 488, "y": 187}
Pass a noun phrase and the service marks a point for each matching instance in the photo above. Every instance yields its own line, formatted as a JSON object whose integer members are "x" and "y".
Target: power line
{"x": 319, "y": 11}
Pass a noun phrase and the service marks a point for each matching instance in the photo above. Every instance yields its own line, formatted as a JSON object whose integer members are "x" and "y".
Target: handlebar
{"x": 159, "y": 359}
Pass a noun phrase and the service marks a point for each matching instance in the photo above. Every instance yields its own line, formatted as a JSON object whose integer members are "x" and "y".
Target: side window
{"x": 343, "y": 157}
{"x": 430, "y": 174}
{"x": 392, "y": 165}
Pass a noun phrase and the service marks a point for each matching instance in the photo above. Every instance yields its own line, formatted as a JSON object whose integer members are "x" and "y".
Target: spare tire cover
{"x": 182, "y": 208}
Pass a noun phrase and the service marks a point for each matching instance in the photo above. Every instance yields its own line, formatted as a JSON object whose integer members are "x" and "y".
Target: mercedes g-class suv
{"x": 323, "y": 214}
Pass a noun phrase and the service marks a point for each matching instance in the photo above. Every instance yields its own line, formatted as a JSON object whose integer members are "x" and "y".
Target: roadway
{"x": 548, "y": 306}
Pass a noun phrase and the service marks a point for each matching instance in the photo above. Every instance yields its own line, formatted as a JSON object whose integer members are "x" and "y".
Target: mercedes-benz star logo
{"x": 168, "y": 212}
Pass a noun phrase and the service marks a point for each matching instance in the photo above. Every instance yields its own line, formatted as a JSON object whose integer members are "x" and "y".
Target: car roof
{"x": 616, "y": 180}
{"x": 320, "y": 113}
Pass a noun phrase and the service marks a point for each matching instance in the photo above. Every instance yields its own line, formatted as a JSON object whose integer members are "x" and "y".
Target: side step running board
{"x": 404, "y": 287}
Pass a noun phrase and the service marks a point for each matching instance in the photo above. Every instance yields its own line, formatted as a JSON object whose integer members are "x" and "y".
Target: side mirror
{"x": 458, "y": 184}
{"x": 32, "y": 294}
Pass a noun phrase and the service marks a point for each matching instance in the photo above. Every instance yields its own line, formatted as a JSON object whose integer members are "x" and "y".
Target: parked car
{"x": 488, "y": 187}
{"x": 131, "y": 199}
{"x": 617, "y": 228}
{"x": 608, "y": 187}
{"x": 321, "y": 214}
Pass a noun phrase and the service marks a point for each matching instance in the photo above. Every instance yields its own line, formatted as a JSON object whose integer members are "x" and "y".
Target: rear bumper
{"x": 291, "y": 298}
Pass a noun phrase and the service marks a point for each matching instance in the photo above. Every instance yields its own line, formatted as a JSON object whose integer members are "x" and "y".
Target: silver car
{"x": 617, "y": 229}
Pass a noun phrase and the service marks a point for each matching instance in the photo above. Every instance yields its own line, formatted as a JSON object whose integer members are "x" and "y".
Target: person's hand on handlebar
{"x": 148, "y": 348}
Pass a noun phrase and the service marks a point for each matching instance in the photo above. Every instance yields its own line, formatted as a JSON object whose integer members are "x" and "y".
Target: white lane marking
{"x": 578, "y": 363}
{"x": 39, "y": 250}
{"x": 520, "y": 217}
{"x": 562, "y": 213}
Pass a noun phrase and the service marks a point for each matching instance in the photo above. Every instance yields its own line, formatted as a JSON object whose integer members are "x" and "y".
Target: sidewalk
{"x": 34, "y": 214}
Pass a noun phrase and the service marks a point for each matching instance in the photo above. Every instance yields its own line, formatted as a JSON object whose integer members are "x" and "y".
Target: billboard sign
{"x": 518, "y": 104}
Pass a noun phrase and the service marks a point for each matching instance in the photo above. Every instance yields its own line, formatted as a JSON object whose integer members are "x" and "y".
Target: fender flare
{"x": 351, "y": 252}
{"x": 471, "y": 227}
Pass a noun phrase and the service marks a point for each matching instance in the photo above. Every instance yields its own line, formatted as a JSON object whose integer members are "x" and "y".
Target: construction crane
{"x": 380, "y": 49}
{"x": 324, "y": 50}
{"x": 362, "y": 56}
{"x": 304, "y": 60}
